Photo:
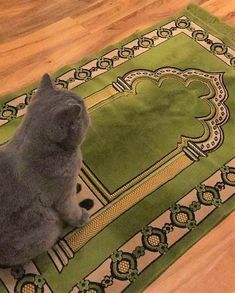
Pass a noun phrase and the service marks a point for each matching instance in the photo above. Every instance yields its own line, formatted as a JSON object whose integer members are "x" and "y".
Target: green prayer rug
{"x": 159, "y": 159}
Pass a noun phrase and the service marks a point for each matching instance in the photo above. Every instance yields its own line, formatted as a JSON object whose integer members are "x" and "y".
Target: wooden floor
{"x": 40, "y": 36}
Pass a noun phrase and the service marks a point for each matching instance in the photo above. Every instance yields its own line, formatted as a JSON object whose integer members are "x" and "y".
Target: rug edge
{"x": 143, "y": 282}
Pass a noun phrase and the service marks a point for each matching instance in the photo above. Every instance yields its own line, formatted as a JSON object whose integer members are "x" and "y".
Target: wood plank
{"x": 21, "y": 17}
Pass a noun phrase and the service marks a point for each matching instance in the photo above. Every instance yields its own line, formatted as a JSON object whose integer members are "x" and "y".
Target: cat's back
{"x": 19, "y": 206}
{"x": 10, "y": 187}
{"x": 7, "y": 176}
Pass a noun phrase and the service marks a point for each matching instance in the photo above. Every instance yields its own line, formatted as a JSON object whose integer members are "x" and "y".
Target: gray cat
{"x": 38, "y": 175}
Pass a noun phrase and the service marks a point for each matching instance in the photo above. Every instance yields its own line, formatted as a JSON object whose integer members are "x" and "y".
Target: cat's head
{"x": 58, "y": 116}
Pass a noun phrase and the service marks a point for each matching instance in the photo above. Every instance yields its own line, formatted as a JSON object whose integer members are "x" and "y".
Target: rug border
{"x": 215, "y": 218}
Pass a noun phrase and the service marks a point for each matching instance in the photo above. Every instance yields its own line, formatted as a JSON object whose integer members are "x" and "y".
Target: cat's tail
{"x": 86, "y": 203}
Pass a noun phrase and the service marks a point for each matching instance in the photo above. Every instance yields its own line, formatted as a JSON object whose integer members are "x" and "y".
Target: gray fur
{"x": 38, "y": 175}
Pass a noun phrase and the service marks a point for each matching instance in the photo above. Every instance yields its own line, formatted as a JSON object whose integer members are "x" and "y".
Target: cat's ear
{"x": 46, "y": 83}
{"x": 63, "y": 122}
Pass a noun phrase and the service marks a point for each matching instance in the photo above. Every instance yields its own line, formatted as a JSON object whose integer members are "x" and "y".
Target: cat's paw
{"x": 85, "y": 217}
{"x": 18, "y": 272}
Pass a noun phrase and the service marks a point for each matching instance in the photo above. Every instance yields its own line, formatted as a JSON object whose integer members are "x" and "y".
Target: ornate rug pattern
{"x": 159, "y": 159}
